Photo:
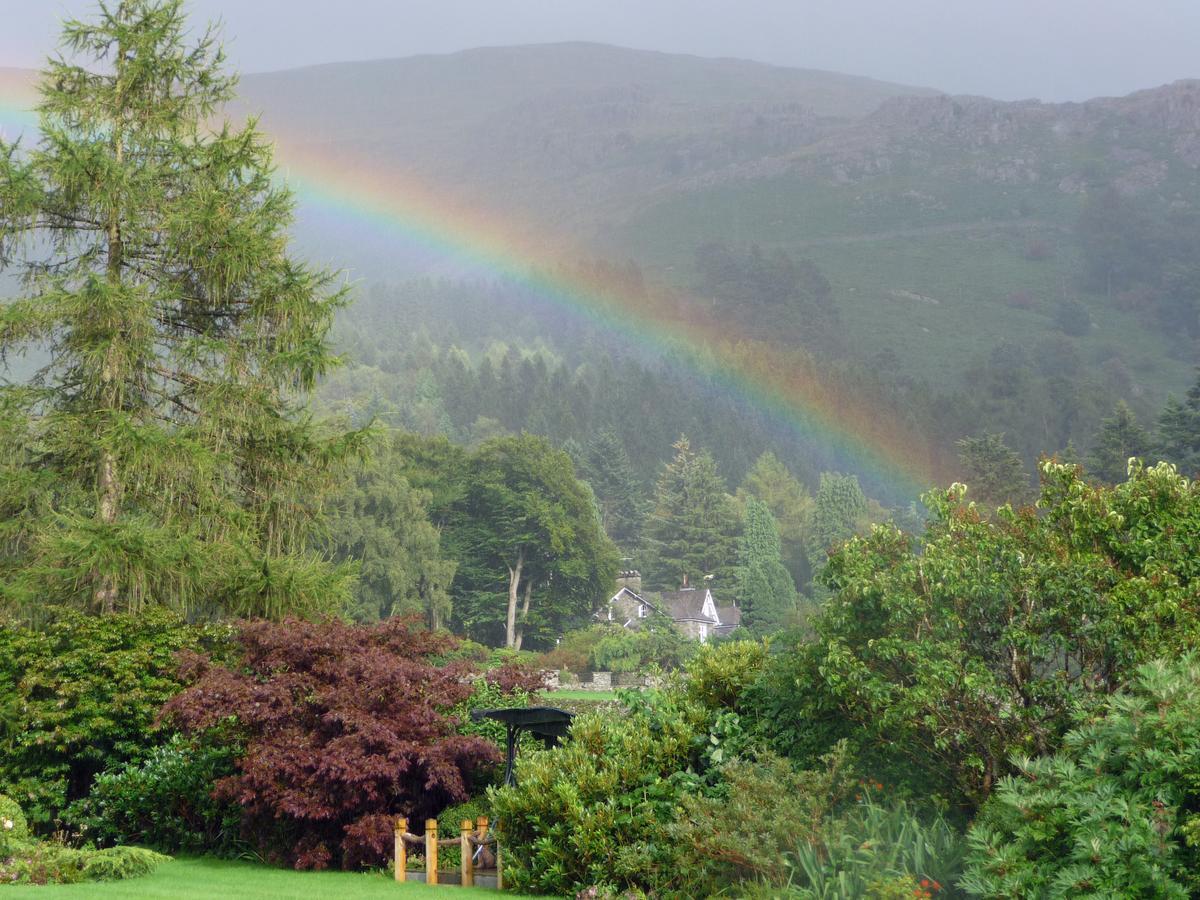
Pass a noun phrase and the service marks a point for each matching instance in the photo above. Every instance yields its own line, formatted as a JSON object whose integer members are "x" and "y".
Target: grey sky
{"x": 1053, "y": 49}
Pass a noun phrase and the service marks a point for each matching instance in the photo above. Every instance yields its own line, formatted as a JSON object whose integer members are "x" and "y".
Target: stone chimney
{"x": 630, "y": 578}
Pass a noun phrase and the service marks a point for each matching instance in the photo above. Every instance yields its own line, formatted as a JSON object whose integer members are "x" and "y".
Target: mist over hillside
{"x": 995, "y": 261}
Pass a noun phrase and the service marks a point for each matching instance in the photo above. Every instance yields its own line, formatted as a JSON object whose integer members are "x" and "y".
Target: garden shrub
{"x": 745, "y": 828}
{"x": 791, "y": 710}
{"x": 719, "y": 674}
{"x": 14, "y": 829}
{"x": 344, "y": 728}
{"x": 979, "y": 640}
{"x": 656, "y": 644}
{"x": 574, "y": 649}
{"x": 82, "y": 696}
{"x": 164, "y": 802}
{"x": 617, "y": 651}
{"x": 47, "y": 862}
{"x": 1116, "y": 812}
{"x": 23, "y": 859}
{"x": 874, "y": 849}
{"x": 799, "y": 832}
{"x": 596, "y": 811}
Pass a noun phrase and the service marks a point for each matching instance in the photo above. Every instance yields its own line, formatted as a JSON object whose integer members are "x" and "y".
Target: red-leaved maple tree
{"x": 344, "y": 728}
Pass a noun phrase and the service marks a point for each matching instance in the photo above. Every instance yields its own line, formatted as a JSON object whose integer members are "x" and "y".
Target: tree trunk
{"x": 108, "y": 483}
{"x": 524, "y": 614}
{"x": 514, "y": 585}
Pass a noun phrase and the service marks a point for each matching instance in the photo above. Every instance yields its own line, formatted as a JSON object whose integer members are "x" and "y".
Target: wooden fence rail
{"x": 471, "y": 836}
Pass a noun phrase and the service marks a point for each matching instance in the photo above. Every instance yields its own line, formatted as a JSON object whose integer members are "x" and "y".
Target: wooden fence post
{"x": 481, "y": 829}
{"x": 431, "y": 839}
{"x": 468, "y": 863}
{"x": 401, "y": 850}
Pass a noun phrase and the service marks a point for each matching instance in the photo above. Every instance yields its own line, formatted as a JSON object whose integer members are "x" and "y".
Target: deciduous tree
{"x": 984, "y": 637}
{"x": 532, "y": 555}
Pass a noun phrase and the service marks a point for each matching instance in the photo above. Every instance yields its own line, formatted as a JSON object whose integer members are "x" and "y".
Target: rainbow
{"x": 17, "y": 100}
{"x": 785, "y": 385}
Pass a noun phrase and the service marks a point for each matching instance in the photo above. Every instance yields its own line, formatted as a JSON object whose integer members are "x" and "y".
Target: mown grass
{"x": 202, "y": 879}
{"x": 568, "y": 694}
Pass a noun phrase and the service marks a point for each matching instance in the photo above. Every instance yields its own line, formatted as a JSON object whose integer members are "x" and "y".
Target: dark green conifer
{"x": 1119, "y": 439}
{"x": 766, "y": 592}
{"x": 692, "y": 530}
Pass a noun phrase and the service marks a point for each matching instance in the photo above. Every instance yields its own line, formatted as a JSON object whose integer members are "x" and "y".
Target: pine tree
{"x": 766, "y": 592}
{"x": 839, "y": 511}
{"x": 162, "y": 455}
{"x": 992, "y": 471}
{"x": 692, "y": 530}
{"x": 1179, "y": 431}
{"x": 606, "y": 467}
{"x": 1119, "y": 438}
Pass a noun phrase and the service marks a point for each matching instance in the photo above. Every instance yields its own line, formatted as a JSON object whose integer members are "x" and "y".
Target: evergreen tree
{"x": 766, "y": 592}
{"x": 1179, "y": 431}
{"x": 1119, "y": 438}
{"x": 992, "y": 471}
{"x": 606, "y": 467}
{"x": 840, "y": 510}
{"x": 789, "y": 502}
{"x": 162, "y": 455}
{"x": 692, "y": 530}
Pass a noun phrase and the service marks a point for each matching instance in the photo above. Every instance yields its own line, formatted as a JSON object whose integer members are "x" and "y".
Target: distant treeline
{"x": 473, "y": 359}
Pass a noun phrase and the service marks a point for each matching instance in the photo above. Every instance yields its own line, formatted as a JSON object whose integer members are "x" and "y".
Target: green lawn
{"x": 567, "y": 694}
{"x": 183, "y": 879}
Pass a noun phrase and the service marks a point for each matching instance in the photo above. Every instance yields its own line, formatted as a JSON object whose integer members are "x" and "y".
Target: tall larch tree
{"x": 162, "y": 455}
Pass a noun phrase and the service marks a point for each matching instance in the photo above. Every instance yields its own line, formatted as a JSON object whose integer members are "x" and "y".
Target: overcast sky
{"x": 1010, "y": 49}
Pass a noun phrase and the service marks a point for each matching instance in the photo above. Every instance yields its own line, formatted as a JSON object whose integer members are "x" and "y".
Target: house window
{"x": 704, "y": 632}
{"x": 641, "y": 610}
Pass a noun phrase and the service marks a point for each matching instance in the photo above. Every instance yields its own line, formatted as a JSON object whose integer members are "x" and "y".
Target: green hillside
{"x": 945, "y": 225}
{"x": 935, "y": 271}
{"x": 958, "y": 244}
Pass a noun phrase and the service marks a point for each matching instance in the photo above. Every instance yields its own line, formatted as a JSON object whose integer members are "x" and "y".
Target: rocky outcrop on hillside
{"x": 1132, "y": 143}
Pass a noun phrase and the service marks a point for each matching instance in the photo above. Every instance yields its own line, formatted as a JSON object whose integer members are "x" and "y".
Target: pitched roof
{"x": 729, "y": 615}
{"x": 686, "y": 604}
